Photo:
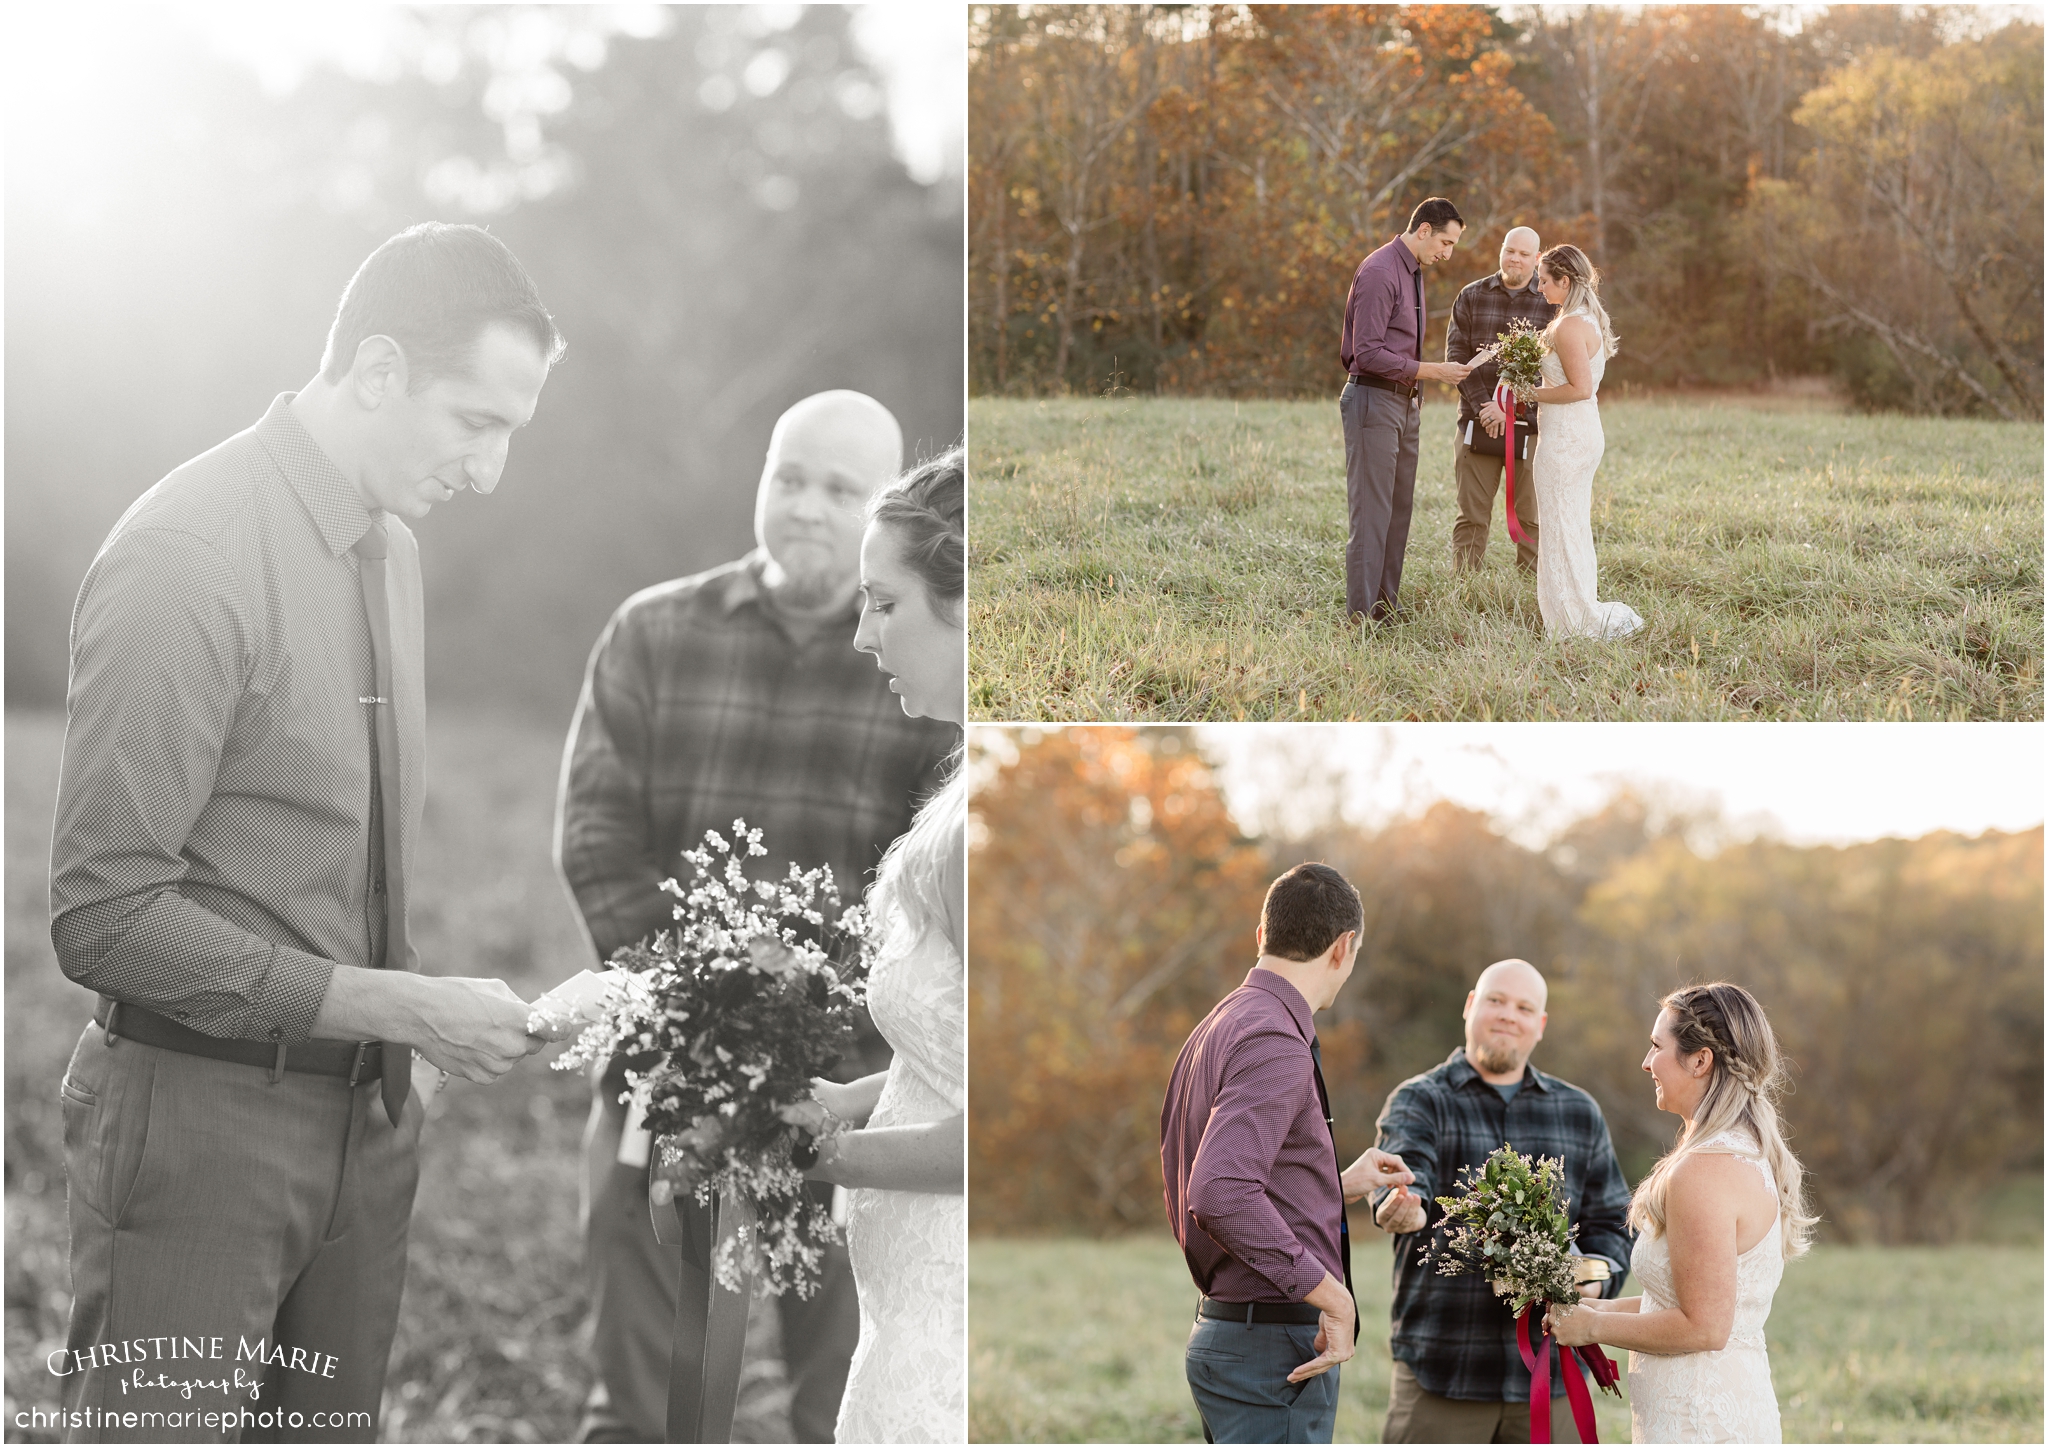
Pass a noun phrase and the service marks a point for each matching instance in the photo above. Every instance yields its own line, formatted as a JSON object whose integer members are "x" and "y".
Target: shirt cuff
{"x": 288, "y": 1001}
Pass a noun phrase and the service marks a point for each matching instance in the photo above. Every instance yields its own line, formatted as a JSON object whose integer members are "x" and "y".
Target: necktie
{"x": 1315, "y": 1052}
{"x": 387, "y": 874}
{"x": 1419, "y": 316}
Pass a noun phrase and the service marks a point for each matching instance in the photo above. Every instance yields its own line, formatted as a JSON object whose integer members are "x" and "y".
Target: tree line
{"x": 1174, "y": 198}
{"x": 1113, "y": 896}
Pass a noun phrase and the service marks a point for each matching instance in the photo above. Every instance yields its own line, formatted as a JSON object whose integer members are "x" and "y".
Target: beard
{"x": 1497, "y": 1059}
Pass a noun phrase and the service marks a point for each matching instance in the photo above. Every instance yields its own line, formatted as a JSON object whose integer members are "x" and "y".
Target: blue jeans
{"x": 1238, "y": 1374}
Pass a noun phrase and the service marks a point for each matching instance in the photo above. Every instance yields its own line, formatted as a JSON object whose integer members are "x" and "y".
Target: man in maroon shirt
{"x": 1253, "y": 1186}
{"x": 1381, "y": 348}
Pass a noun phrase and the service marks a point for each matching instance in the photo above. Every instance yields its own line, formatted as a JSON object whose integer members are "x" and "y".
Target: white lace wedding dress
{"x": 1709, "y": 1397}
{"x": 908, "y": 1383}
{"x": 1567, "y": 573}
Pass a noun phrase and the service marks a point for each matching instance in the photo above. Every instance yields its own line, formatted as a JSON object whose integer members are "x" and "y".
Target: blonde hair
{"x": 1572, "y": 267}
{"x": 1742, "y": 1091}
{"x": 922, "y": 880}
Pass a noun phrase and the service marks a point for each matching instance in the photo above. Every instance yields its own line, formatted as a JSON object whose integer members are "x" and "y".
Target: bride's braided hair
{"x": 925, "y": 511}
{"x": 1576, "y": 270}
{"x": 1743, "y": 1086}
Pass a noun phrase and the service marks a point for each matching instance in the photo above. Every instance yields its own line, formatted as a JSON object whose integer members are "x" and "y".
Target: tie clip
{"x": 372, "y": 699}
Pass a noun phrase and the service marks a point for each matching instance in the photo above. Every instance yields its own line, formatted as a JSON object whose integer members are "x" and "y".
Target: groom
{"x": 1253, "y": 1190}
{"x": 1458, "y": 1373}
{"x": 237, "y": 820}
{"x": 1381, "y": 406}
{"x": 732, "y": 694}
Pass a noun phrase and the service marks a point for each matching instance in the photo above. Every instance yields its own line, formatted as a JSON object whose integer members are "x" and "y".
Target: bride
{"x": 897, "y": 1138}
{"x": 1715, "y": 1221}
{"x": 1581, "y": 340}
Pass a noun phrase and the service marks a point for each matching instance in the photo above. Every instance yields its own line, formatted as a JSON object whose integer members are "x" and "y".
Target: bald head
{"x": 1504, "y": 1019}
{"x": 827, "y": 456}
{"x": 1519, "y": 251}
{"x": 861, "y": 436}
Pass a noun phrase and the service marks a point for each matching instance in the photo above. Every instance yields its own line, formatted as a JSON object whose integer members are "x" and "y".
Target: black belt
{"x": 356, "y": 1061}
{"x": 1409, "y": 390}
{"x": 1294, "y": 1314}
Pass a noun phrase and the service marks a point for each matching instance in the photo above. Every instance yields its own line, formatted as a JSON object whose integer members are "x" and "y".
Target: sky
{"x": 1807, "y": 783}
{"x": 918, "y": 46}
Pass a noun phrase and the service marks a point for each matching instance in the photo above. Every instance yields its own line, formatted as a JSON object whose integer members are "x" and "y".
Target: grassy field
{"x": 489, "y": 1344}
{"x": 1080, "y": 1341}
{"x": 1154, "y": 559}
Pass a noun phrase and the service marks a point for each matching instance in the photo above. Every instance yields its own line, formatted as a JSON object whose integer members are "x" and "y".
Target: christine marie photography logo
{"x": 186, "y": 1366}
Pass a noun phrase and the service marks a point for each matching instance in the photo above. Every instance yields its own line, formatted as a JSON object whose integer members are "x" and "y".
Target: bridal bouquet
{"x": 1519, "y": 353}
{"x": 1507, "y": 1223}
{"x": 742, "y": 1006}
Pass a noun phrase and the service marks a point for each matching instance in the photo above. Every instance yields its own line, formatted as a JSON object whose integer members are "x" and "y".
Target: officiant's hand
{"x": 1401, "y": 1213}
{"x": 1372, "y": 1171}
{"x": 1492, "y": 419}
{"x": 1443, "y": 371}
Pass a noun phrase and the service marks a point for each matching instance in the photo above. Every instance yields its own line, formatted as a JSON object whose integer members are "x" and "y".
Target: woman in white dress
{"x": 897, "y": 1138}
{"x": 1715, "y": 1221}
{"x": 1581, "y": 340}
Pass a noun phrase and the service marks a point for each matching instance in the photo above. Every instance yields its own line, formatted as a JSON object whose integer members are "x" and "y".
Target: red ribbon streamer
{"x": 1537, "y": 1361}
{"x": 1505, "y": 400}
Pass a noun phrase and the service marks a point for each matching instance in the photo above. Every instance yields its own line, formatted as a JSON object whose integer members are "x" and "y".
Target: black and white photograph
{"x": 485, "y": 675}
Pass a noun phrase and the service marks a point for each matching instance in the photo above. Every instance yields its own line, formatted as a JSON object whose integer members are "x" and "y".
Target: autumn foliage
{"x": 1113, "y": 899}
{"x": 1174, "y": 198}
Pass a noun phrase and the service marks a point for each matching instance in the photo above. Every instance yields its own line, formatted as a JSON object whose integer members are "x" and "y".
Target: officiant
{"x": 1458, "y": 1375}
{"x": 733, "y": 694}
{"x": 1485, "y": 309}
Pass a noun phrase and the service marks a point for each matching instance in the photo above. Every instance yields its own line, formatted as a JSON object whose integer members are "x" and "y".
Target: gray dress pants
{"x": 237, "y": 1248}
{"x": 1382, "y": 432}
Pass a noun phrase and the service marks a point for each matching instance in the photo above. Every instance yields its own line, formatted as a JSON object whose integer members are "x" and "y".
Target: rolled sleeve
{"x": 161, "y": 643}
{"x": 604, "y": 838}
{"x": 1372, "y": 313}
{"x": 1227, "y": 1186}
{"x": 1408, "y": 1128}
{"x": 1603, "y": 1213}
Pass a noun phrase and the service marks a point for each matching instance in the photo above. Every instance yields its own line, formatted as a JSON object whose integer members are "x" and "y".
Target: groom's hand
{"x": 1492, "y": 419}
{"x": 470, "y": 1027}
{"x": 1336, "y": 1330}
{"x": 1372, "y": 1171}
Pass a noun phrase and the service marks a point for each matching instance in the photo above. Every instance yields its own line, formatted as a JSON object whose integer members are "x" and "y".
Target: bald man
{"x": 733, "y": 694}
{"x": 1484, "y": 310}
{"x": 1458, "y": 1374}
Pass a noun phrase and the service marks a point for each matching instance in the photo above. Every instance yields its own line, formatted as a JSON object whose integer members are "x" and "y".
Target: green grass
{"x": 1081, "y": 1341}
{"x": 1162, "y": 559}
{"x": 489, "y": 1345}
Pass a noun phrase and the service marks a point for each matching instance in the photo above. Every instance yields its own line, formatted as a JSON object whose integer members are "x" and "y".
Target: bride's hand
{"x": 1572, "y": 1326}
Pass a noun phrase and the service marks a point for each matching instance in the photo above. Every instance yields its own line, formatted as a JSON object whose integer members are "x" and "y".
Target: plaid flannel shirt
{"x": 1452, "y": 1331}
{"x": 700, "y": 707}
{"x": 1482, "y": 312}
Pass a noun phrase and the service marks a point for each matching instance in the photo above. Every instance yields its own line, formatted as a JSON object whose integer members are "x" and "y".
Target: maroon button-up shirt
{"x": 1251, "y": 1174}
{"x": 1384, "y": 315}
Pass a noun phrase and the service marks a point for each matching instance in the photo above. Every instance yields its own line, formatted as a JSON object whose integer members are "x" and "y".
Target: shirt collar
{"x": 1283, "y": 991}
{"x": 335, "y": 506}
{"x": 1408, "y": 258}
{"x": 744, "y": 586}
{"x": 1509, "y": 291}
{"x": 1463, "y": 1073}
